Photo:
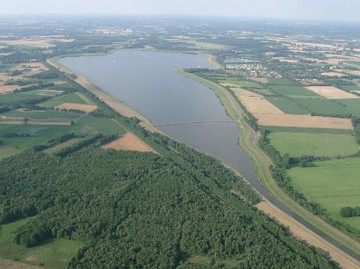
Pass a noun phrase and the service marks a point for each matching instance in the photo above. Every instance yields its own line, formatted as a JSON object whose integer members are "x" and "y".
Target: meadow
{"x": 297, "y": 144}
{"x": 333, "y": 184}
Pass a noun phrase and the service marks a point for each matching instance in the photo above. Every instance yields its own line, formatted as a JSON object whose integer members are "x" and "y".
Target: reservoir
{"x": 147, "y": 81}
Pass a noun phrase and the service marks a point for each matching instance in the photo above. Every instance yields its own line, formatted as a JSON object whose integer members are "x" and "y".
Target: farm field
{"x": 290, "y": 90}
{"x": 302, "y": 121}
{"x": 258, "y": 104}
{"x": 65, "y": 98}
{"x": 331, "y": 92}
{"x": 298, "y": 144}
{"x": 333, "y": 184}
{"x": 129, "y": 142}
{"x": 287, "y": 106}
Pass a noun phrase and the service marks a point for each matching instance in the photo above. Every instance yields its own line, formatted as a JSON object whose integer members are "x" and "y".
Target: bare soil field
{"x": 129, "y": 142}
{"x": 333, "y": 74}
{"x": 8, "y": 264}
{"x": 303, "y": 233}
{"x": 75, "y": 106}
{"x": 258, "y": 104}
{"x": 331, "y": 92}
{"x": 302, "y": 121}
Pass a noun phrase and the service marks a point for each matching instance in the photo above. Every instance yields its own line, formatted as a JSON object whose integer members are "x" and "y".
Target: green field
{"x": 308, "y": 130}
{"x": 65, "y": 98}
{"x": 54, "y": 254}
{"x": 352, "y": 105}
{"x": 333, "y": 184}
{"x": 242, "y": 83}
{"x": 291, "y": 90}
{"x": 43, "y": 114}
{"x": 282, "y": 81}
{"x": 286, "y": 105}
{"x": 19, "y": 97}
{"x": 322, "y": 106}
{"x": 7, "y": 230}
{"x": 298, "y": 144}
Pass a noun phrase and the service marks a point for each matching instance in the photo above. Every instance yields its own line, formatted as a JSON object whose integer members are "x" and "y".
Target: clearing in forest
{"x": 76, "y": 106}
{"x": 331, "y": 92}
{"x": 302, "y": 121}
{"x": 129, "y": 142}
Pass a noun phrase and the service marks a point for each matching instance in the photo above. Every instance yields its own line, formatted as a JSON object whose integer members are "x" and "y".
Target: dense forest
{"x": 143, "y": 210}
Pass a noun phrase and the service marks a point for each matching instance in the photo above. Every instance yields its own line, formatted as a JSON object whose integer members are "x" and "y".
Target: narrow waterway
{"x": 147, "y": 82}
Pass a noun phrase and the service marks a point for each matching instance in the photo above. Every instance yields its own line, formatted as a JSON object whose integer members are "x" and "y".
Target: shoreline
{"x": 103, "y": 96}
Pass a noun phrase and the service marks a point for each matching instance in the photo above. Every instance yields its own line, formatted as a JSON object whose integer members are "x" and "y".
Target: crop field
{"x": 19, "y": 97}
{"x": 128, "y": 142}
{"x": 75, "y": 106}
{"x": 233, "y": 82}
{"x": 258, "y": 104}
{"x": 352, "y": 105}
{"x": 42, "y": 114}
{"x": 298, "y": 144}
{"x": 65, "y": 98}
{"x": 48, "y": 92}
{"x": 351, "y": 87}
{"x": 291, "y": 90}
{"x": 308, "y": 130}
{"x": 302, "y": 121}
{"x": 286, "y": 105}
{"x": 323, "y": 106}
{"x": 331, "y": 92}
{"x": 333, "y": 184}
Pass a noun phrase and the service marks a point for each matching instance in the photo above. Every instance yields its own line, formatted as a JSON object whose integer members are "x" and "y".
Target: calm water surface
{"x": 148, "y": 82}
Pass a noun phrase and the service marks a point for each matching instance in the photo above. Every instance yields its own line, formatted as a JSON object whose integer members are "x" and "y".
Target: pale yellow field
{"x": 333, "y": 74}
{"x": 75, "y": 106}
{"x": 331, "y": 92}
{"x": 258, "y": 104}
{"x": 129, "y": 142}
{"x": 302, "y": 121}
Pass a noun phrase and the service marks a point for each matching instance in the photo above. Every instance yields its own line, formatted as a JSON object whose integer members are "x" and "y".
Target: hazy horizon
{"x": 305, "y": 10}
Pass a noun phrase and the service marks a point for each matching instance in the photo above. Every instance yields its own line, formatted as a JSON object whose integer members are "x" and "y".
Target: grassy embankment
{"x": 248, "y": 141}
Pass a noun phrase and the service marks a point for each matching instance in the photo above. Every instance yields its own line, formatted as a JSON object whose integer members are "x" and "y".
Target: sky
{"x": 324, "y": 10}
